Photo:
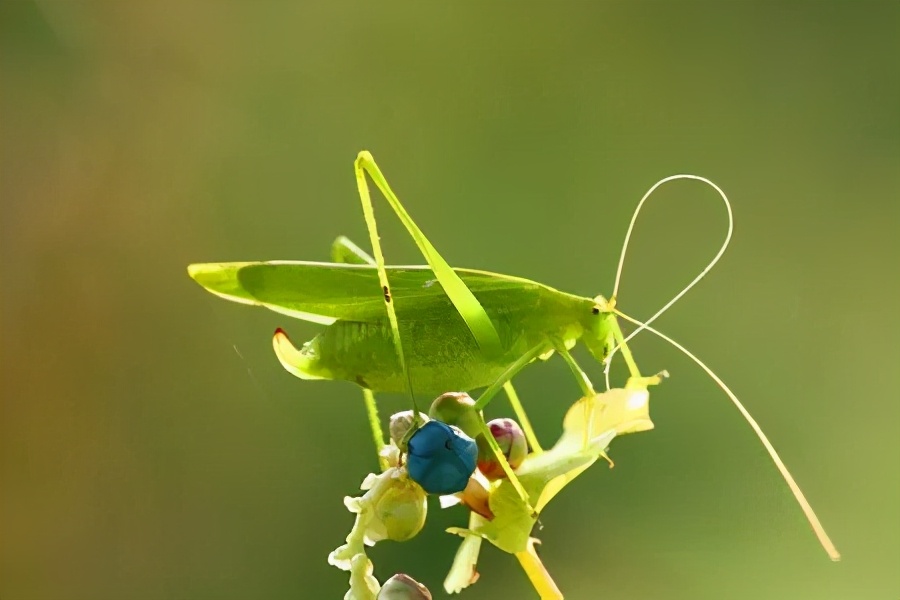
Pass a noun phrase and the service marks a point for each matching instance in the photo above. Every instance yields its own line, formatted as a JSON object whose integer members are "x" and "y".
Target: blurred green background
{"x": 153, "y": 448}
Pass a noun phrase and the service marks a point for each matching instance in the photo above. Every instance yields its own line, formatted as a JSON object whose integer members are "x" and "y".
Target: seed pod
{"x": 399, "y": 427}
{"x": 513, "y": 445}
{"x": 457, "y": 408}
{"x": 441, "y": 458}
{"x": 403, "y": 587}
{"x": 400, "y": 513}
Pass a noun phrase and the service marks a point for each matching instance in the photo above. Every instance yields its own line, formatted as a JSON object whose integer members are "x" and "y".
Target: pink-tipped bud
{"x": 403, "y": 587}
{"x": 513, "y": 445}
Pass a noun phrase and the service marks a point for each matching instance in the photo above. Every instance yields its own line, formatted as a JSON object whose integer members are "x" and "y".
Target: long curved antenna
{"x": 696, "y": 279}
{"x": 788, "y": 478}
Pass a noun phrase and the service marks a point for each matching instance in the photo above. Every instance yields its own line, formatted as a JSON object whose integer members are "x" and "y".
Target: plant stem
{"x": 519, "y": 410}
{"x": 538, "y": 574}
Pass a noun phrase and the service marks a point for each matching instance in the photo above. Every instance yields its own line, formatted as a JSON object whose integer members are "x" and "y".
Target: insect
{"x": 433, "y": 328}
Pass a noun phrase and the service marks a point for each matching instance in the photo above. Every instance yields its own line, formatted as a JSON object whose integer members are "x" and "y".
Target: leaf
{"x": 543, "y": 475}
{"x": 463, "y": 573}
{"x": 617, "y": 411}
{"x": 512, "y": 522}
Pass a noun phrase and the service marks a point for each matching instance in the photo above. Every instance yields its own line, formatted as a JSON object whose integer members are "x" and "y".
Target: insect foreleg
{"x": 587, "y": 388}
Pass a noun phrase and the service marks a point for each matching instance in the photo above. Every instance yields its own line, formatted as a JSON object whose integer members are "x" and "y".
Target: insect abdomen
{"x": 440, "y": 355}
{"x": 440, "y": 351}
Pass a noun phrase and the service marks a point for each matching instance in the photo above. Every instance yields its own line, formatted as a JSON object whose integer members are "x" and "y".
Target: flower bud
{"x": 403, "y": 587}
{"x": 400, "y": 424}
{"x": 458, "y": 409}
{"x": 399, "y": 513}
{"x": 441, "y": 458}
{"x": 476, "y": 498}
{"x": 513, "y": 445}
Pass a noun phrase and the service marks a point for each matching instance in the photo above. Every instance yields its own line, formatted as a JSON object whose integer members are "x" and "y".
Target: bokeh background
{"x": 153, "y": 448}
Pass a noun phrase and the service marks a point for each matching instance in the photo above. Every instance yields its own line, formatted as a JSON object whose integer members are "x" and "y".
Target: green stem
{"x": 504, "y": 464}
{"x": 486, "y": 397}
{"x": 538, "y": 574}
{"x": 523, "y": 418}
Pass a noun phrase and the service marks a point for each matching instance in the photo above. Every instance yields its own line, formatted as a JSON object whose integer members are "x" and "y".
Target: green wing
{"x": 324, "y": 292}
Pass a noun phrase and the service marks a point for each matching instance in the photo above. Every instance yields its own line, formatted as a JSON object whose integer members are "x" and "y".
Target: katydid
{"x": 433, "y": 328}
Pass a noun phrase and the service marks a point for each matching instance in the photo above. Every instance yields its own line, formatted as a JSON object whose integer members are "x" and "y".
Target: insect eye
{"x": 595, "y": 310}
{"x": 448, "y": 444}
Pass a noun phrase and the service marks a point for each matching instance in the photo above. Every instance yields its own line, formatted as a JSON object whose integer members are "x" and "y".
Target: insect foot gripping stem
{"x": 401, "y": 427}
{"x": 441, "y": 458}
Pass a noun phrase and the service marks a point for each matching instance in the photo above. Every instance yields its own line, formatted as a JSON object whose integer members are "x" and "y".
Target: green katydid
{"x": 434, "y": 328}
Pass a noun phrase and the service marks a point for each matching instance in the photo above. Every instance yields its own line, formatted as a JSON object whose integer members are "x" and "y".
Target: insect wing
{"x": 324, "y": 292}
